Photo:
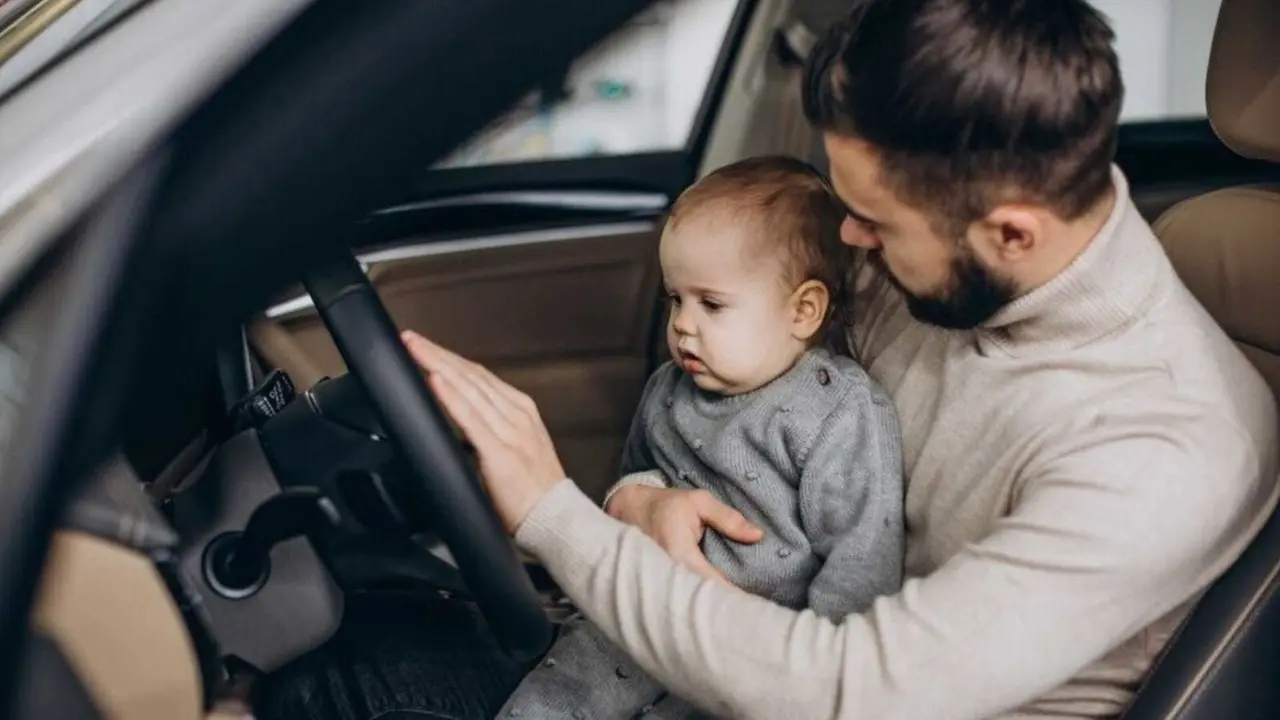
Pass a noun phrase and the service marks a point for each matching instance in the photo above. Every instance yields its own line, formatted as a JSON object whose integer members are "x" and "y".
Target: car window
{"x": 1164, "y": 55}
{"x": 34, "y": 34}
{"x": 638, "y": 91}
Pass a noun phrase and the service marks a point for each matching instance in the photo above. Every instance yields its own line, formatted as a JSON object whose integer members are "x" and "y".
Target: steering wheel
{"x": 444, "y": 481}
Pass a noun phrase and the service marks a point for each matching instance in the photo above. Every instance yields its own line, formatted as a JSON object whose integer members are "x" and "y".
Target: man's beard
{"x": 973, "y": 294}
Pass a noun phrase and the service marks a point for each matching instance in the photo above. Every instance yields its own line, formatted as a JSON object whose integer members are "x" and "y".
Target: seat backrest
{"x": 1224, "y": 661}
{"x": 1226, "y": 248}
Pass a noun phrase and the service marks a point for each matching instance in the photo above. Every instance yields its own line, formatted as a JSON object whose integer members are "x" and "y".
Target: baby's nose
{"x": 682, "y": 323}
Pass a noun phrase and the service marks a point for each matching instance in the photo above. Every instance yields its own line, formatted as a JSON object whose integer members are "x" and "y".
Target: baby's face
{"x": 731, "y": 317}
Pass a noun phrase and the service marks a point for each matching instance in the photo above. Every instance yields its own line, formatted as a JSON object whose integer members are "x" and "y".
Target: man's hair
{"x": 974, "y": 103}
{"x": 790, "y": 213}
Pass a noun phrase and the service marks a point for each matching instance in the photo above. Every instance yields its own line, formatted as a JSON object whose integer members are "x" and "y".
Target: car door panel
{"x": 566, "y": 316}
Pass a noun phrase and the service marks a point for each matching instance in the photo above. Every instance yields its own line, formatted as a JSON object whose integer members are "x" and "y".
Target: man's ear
{"x": 809, "y": 305}
{"x": 1008, "y": 234}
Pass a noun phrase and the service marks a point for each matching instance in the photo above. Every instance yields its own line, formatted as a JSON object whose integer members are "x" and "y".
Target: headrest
{"x": 1243, "y": 88}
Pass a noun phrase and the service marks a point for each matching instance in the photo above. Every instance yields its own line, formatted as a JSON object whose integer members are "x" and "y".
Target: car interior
{"x": 211, "y": 435}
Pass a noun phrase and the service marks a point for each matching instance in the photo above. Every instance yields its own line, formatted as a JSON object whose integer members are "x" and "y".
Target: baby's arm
{"x": 638, "y": 466}
{"x": 851, "y": 497}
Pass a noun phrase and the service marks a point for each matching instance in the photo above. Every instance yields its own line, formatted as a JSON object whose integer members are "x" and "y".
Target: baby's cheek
{"x": 756, "y": 364}
{"x": 733, "y": 350}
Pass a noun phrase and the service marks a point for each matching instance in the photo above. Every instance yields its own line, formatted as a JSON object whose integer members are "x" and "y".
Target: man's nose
{"x": 852, "y": 233}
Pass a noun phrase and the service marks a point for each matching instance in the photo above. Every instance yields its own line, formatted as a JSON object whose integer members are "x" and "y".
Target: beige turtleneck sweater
{"x": 1079, "y": 468}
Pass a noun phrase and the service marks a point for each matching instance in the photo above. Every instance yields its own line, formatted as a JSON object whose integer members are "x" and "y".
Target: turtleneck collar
{"x": 1103, "y": 289}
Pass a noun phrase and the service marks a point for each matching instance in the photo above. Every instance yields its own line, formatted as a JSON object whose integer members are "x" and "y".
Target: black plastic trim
{"x": 1174, "y": 131}
{"x": 50, "y": 687}
{"x": 433, "y": 224}
{"x": 665, "y": 172}
{"x": 1184, "y": 152}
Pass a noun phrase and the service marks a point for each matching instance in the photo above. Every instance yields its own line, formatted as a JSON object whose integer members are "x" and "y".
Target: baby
{"x": 760, "y": 407}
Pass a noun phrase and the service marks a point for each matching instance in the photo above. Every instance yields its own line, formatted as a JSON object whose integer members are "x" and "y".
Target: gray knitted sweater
{"x": 813, "y": 458}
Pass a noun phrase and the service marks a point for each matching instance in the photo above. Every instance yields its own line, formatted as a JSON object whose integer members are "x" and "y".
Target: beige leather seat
{"x": 1225, "y": 660}
{"x": 1226, "y": 244}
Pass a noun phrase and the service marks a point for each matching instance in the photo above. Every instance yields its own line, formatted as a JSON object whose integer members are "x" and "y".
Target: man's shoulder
{"x": 1167, "y": 390}
{"x": 1202, "y": 397}
{"x": 1178, "y": 355}
{"x": 1174, "y": 436}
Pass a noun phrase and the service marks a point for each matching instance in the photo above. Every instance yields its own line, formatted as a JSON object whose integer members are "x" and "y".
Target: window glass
{"x": 638, "y": 91}
{"x": 1164, "y": 54}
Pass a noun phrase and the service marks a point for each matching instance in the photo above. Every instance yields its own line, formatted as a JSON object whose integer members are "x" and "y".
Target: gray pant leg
{"x": 584, "y": 677}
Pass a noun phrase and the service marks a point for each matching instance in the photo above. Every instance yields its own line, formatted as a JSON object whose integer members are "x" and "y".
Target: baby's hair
{"x": 798, "y": 217}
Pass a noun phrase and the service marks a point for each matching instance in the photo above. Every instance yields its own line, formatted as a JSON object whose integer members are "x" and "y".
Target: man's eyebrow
{"x": 855, "y": 214}
{"x": 860, "y": 216}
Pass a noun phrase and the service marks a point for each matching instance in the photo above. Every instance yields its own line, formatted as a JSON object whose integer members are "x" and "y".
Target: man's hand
{"x": 676, "y": 519}
{"x": 518, "y": 462}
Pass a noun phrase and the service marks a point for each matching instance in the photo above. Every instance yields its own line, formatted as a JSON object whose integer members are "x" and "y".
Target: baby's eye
{"x": 712, "y": 305}
{"x": 673, "y": 298}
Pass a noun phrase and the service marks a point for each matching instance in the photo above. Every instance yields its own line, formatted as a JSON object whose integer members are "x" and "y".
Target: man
{"x": 1085, "y": 449}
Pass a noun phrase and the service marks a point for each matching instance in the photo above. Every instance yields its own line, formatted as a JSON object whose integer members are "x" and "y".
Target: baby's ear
{"x": 809, "y": 309}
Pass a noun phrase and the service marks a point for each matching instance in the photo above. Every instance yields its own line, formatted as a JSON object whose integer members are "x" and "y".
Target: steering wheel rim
{"x": 446, "y": 485}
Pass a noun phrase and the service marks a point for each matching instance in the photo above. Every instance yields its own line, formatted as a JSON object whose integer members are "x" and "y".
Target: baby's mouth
{"x": 691, "y": 363}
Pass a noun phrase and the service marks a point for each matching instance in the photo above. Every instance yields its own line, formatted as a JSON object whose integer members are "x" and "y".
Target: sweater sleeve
{"x": 1098, "y": 543}
{"x": 638, "y": 466}
{"x": 851, "y": 505}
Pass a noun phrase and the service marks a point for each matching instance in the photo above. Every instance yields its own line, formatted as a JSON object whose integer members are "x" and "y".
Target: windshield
{"x": 638, "y": 91}
{"x": 34, "y": 34}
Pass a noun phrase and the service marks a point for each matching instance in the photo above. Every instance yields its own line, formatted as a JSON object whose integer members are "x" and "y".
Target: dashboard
{"x": 276, "y": 506}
